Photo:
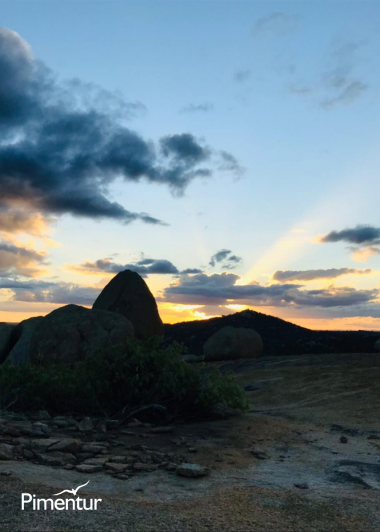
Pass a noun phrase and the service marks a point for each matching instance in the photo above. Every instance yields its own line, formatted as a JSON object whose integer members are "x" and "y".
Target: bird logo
{"x": 73, "y": 492}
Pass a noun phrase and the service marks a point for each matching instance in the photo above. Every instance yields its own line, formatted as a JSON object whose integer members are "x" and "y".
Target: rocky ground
{"x": 305, "y": 457}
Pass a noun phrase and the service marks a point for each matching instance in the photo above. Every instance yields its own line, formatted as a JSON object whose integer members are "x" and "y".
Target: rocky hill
{"x": 280, "y": 337}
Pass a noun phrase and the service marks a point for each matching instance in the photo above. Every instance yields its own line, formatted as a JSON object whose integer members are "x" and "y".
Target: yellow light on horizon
{"x": 238, "y": 308}
{"x": 179, "y": 307}
{"x": 202, "y": 316}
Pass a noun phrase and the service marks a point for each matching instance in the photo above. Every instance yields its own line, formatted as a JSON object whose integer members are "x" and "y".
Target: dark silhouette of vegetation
{"x": 120, "y": 380}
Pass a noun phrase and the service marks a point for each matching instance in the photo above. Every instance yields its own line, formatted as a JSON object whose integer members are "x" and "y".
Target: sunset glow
{"x": 231, "y": 185}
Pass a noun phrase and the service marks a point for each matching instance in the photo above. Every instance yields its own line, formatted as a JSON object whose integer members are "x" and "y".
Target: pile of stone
{"x": 87, "y": 446}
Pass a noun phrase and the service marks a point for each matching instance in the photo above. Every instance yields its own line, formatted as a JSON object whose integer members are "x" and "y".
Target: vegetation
{"x": 123, "y": 379}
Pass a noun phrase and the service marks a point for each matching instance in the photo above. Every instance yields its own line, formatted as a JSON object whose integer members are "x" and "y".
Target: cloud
{"x": 190, "y": 271}
{"x": 301, "y": 90}
{"x": 221, "y": 289}
{"x": 21, "y": 261}
{"x": 349, "y": 93}
{"x": 277, "y": 23}
{"x": 365, "y": 240}
{"x": 16, "y": 221}
{"x": 225, "y": 255}
{"x": 362, "y": 255}
{"x": 232, "y": 262}
{"x": 49, "y": 292}
{"x": 219, "y": 256}
{"x": 63, "y": 144}
{"x": 184, "y": 148}
{"x": 359, "y": 235}
{"x": 310, "y": 275}
{"x": 241, "y": 76}
{"x": 144, "y": 267}
{"x": 197, "y": 108}
{"x": 229, "y": 163}
{"x": 337, "y": 84}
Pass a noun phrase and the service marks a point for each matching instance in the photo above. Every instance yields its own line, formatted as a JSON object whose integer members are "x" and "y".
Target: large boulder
{"x": 69, "y": 333}
{"x": 128, "y": 294}
{"x": 5, "y": 340}
{"x": 377, "y": 346}
{"x": 231, "y": 343}
{"x": 21, "y": 337}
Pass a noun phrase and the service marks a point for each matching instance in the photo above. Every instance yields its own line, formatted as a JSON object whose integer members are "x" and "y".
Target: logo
{"x": 74, "y": 492}
{"x": 60, "y": 504}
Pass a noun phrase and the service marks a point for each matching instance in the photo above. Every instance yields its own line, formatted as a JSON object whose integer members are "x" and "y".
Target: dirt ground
{"x": 306, "y": 457}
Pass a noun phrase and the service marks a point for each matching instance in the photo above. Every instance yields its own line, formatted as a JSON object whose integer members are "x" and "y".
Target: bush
{"x": 120, "y": 380}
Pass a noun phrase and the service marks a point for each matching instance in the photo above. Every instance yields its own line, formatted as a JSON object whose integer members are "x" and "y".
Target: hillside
{"x": 280, "y": 337}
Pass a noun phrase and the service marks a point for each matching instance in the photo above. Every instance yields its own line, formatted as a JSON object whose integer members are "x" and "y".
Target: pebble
{"x": 302, "y": 486}
{"x": 192, "y": 470}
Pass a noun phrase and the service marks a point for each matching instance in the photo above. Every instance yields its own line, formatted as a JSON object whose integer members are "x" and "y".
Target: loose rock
{"x": 55, "y": 459}
{"x": 231, "y": 343}
{"x": 87, "y": 468}
{"x": 192, "y": 470}
{"x": 70, "y": 332}
{"x": 86, "y": 425}
{"x": 116, "y": 468}
{"x": 68, "y": 445}
{"x": 6, "y": 451}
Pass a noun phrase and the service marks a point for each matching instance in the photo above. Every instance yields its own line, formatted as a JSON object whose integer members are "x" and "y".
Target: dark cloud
{"x": 50, "y": 292}
{"x": 364, "y": 240}
{"x": 219, "y": 256}
{"x": 242, "y": 76}
{"x": 144, "y": 267}
{"x": 198, "y": 108}
{"x": 184, "y": 148}
{"x": 16, "y": 260}
{"x": 190, "y": 271}
{"x": 63, "y": 144}
{"x": 226, "y": 256}
{"x": 361, "y": 235}
{"x": 222, "y": 289}
{"x": 235, "y": 258}
{"x": 310, "y": 275}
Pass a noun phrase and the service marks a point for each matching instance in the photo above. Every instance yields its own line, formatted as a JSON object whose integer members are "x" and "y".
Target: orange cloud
{"x": 24, "y": 261}
{"x": 362, "y": 255}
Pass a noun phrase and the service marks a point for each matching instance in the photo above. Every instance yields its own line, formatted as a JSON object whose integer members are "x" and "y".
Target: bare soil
{"x": 305, "y": 458}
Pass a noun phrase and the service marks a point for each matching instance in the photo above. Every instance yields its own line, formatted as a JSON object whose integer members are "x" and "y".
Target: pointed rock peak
{"x": 128, "y": 294}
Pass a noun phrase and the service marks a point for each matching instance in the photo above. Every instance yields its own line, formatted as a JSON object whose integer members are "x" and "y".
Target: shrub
{"x": 57, "y": 388}
{"x": 120, "y": 380}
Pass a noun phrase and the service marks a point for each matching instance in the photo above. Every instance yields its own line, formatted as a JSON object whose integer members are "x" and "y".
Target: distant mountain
{"x": 280, "y": 337}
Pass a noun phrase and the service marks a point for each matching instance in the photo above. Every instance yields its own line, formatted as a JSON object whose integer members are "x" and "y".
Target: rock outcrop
{"x": 231, "y": 343}
{"x": 5, "y": 340}
{"x": 128, "y": 294}
{"x": 21, "y": 337}
{"x": 69, "y": 333}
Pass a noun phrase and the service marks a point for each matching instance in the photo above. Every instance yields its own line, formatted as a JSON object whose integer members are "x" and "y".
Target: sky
{"x": 226, "y": 151}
